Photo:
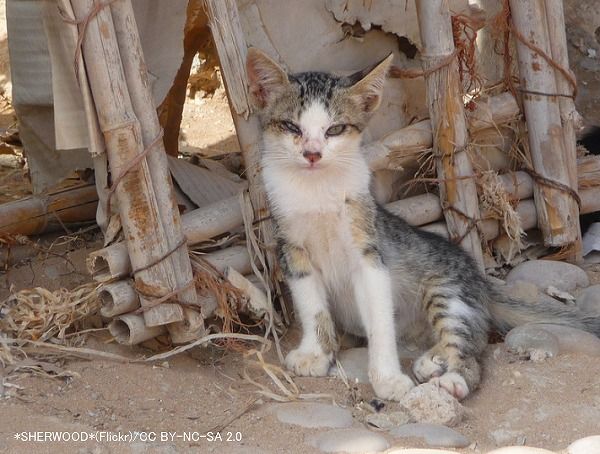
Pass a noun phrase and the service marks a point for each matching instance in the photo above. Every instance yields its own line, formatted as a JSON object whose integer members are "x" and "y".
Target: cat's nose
{"x": 312, "y": 156}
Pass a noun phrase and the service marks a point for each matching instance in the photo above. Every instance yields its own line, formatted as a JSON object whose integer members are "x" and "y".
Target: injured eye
{"x": 335, "y": 130}
{"x": 290, "y": 127}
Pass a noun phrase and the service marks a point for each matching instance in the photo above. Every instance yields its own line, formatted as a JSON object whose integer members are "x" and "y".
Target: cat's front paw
{"x": 452, "y": 382}
{"x": 391, "y": 387}
{"x": 309, "y": 363}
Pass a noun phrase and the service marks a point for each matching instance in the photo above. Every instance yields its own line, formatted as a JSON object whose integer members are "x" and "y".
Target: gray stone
{"x": 533, "y": 340}
{"x": 350, "y": 441}
{"x": 355, "y": 364}
{"x": 573, "y": 340}
{"x": 388, "y": 420}
{"x": 313, "y": 415}
{"x": 505, "y": 436}
{"x": 428, "y": 403}
{"x": 587, "y": 445}
{"x": 433, "y": 434}
{"x": 545, "y": 273}
{"x": 589, "y": 300}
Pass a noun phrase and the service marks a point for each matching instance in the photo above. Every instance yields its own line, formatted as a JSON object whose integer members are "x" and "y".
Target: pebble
{"x": 388, "y": 420}
{"x": 551, "y": 340}
{"x": 314, "y": 415}
{"x": 350, "y": 441}
{"x": 421, "y": 451}
{"x": 505, "y": 436}
{"x": 520, "y": 450}
{"x": 587, "y": 445}
{"x": 544, "y": 273}
{"x": 354, "y": 362}
{"x": 532, "y": 339}
{"x": 434, "y": 435}
{"x": 428, "y": 403}
{"x": 589, "y": 300}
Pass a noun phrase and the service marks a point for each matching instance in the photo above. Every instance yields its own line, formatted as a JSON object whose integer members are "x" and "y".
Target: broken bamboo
{"x": 118, "y": 298}
{"x": 557, "y": 210}
{"x": 49, "y": 212}
{"x": 450, "y": 136}
{"x": 140, "y": 216}
{"x": 142, "y": 101}
{"x": 130, "y": 329}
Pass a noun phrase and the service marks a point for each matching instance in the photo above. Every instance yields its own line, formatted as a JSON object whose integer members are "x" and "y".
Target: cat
{"x": 350, "y": 263}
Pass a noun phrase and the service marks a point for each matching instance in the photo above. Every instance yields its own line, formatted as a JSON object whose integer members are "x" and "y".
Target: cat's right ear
{"x": 265, "y": 77}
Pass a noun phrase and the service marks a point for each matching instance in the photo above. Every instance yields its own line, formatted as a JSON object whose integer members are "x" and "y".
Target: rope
{"x": 399, "y": 73}
{"x": 542, "y": 180}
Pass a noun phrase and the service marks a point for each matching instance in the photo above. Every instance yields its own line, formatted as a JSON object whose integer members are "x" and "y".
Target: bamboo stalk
{"x": 142, "y": 101}
{"x": 557, "y": 211}
{"x": 402, "y": 148}
{"x": 138, "y": 209}
{"x": 130, "y": 329}
{"x": 49, "y": 212}
{"x": 450, "y": 138}
{"x": 118, "y": 298}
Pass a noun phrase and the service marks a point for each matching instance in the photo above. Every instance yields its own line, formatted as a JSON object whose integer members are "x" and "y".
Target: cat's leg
{"x": 460, "y": 331}
{"x": 314, "y": 355}
{"x": 373, "y": 293}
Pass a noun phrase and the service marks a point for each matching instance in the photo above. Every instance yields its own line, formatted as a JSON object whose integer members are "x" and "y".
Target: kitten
{"x": 349, "y": 262}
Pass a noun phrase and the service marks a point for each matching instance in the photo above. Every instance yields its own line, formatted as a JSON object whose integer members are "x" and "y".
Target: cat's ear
{"x": 265, "y": 77}
{"x": 367, "y": 85}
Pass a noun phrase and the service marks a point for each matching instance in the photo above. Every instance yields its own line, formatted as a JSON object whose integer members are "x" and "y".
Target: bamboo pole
{"x": 402, "y": 148}
{"x": 444, "y": 97}
{"x": 49, "y": 212}
{"x": 571, "y": 120}
{"x": 557, "y": 211}
{"x": 138, "y": 209}
{"x": 142, "y": 101}
{"x": 130, "y": 329}
{"x": 118, "y": 298}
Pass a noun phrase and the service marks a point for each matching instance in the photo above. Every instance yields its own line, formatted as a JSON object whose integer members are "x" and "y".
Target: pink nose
{"x": 312, "y": 156}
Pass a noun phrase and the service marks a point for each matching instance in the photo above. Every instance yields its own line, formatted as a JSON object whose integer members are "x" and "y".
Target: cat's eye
{"x": 335, "y": 130}
{"x": 291, "y": 127}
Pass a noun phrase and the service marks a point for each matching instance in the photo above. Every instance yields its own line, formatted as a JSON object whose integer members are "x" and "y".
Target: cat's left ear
{"x": 368, "y": 88}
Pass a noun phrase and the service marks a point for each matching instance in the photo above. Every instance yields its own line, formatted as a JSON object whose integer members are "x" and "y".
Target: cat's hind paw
{"x": 309, "y": 363}
{"x": 391, "y": 388}
{"x": 452, "y": 382}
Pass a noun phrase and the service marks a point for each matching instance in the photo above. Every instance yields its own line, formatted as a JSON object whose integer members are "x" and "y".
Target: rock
{"x": 523, "y": 291}
{"x": 544, "y": 273}
{"x": 433, "y": 434}
{"x": 314, "y": 415}
{"x": 355, "y": 363}
{"x": 505, "y": 436}
{"x": 588, "y": 300}
{"x": 587, "y": 445}
{"x": 520, "y": 450}
{"x": 350, "y": 441}
{"x": 421, "y": 451}
{"x": 573, "y": 340}
{"x": 388, "y": 420}
{"x": 428, "y": 403}
{"x": 533, "y": 340}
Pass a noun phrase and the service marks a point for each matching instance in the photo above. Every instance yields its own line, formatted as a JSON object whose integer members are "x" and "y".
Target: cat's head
{"x": 312, "y": 120}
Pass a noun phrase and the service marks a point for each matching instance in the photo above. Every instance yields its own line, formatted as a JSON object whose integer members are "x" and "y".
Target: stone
{"x": 313, "y": 415}
{"x": 505, "y": 436}
{"x": 355, "y": 362}
{"x": 434, "y": 435}
{"x": 387, "y": 420}
{"x": 350, "y": 441}
{"x": 522, "y": 291}
{"x": 545, "y": 273}
{"x": 573, "y": 340}
{"x": 588, "y": 300}
{"x": 587, "y": 445}
{"x": 428, "y": 403}
{"x": 520, "y": 450}
{"x": 421, "y": 451}
{"x": 532, "y": 340}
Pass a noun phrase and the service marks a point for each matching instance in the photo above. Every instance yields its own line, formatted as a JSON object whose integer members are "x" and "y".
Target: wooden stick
{"x": 146, "y": 238}
{"x": 402, "y": 148}
{"x": 444, "y": 97}
{"x": 142, "y": 101}
{"x": 49, "y": 212}
{"x": 557, "y": 211}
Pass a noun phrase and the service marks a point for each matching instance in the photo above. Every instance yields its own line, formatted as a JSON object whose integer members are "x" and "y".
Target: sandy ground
{"x": 547, "y": 404}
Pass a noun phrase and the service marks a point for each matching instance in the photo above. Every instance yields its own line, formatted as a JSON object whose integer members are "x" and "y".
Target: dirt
{"x": 202, "y": 392}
